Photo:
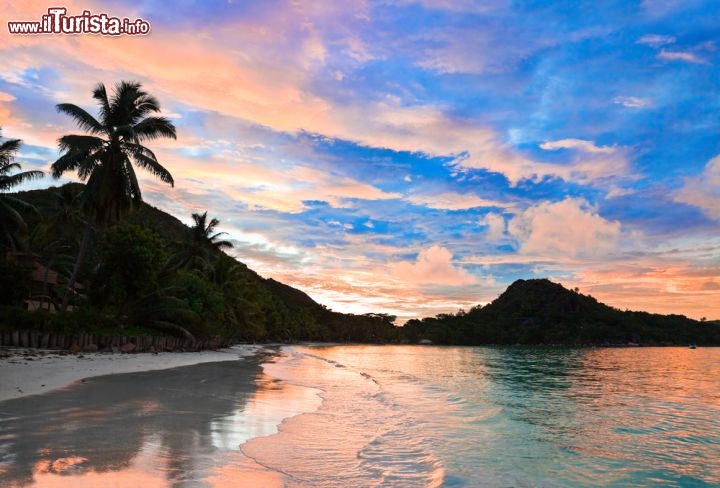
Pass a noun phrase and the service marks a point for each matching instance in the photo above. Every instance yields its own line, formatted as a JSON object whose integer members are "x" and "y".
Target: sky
{"x": 415, "y": 157}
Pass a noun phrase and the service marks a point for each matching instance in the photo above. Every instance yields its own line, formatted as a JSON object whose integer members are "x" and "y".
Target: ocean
{"x": 395, "y": 416}
{"x": 512, "y": 416}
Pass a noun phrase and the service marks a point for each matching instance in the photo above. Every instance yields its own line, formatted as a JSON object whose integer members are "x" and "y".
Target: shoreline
{"x": 25, "y": 371}
{"x": 28, "y": 371}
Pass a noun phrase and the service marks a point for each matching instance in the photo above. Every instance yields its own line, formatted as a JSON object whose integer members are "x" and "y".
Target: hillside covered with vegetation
{"x": 151, "y": 271}
{"x": 539, "y": 311}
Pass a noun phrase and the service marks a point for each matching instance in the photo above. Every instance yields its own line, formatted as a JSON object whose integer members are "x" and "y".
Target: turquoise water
{"x": 395, "y": 416}
{"x": 436, "y": 416}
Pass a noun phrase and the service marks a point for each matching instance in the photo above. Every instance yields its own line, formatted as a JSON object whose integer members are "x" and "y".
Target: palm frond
{"x": 8, "y": 149}
{"x": 126, "y": 132}
{"x": 79, "y": 142}
{"x": 7, "y": 182}
{"x": 144, "y": 105}
{"x": 152, "y": 128}
{"x": 123, "y": 102}
{"x": 199, "y": 219}
{"x": 221, "y": 244}
{"x": 154, "y": 167}
{"x": 82, "y": 160}
{"x": 139, "y": 148}
{"x": 6, "y": 167}
{"x": 133, "y": 185}
{"x": 16, "y": 202}
{"x": 88, "y": 165}
{"x": 100, "y": 94}
{"x": 9, "y": 214}
{"x": 213, "y": 223}
{"x": 83, "y": 119}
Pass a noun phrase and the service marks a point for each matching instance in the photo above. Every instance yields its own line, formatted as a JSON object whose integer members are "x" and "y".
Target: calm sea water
{"x": 382, "y": 416}
{"x": 432, "y": 416}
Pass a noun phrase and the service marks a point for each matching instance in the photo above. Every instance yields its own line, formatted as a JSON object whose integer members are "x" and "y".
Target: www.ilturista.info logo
{"x": 56, "y": 21}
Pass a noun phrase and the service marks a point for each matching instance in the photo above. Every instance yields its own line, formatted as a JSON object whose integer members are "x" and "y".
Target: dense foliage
{"x": 151, "y": 271}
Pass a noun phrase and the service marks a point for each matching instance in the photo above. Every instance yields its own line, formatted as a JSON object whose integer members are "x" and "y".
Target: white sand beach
{"x": 28, "y": 371}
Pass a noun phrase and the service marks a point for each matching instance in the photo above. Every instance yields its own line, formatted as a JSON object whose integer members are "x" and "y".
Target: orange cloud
{"x": 661, "y": 289}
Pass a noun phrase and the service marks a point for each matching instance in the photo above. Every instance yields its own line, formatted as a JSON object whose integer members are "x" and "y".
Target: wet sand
{"x": 173, "y": 427}
{"x": 27, "y": 372}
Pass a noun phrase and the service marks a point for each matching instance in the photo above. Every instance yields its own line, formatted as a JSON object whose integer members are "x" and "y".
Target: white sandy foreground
{"x": 28, "y": 372}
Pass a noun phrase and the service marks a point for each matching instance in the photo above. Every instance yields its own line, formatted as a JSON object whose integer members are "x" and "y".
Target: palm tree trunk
{"x": 45, "y": 292}
{"x": 76, "y": 268}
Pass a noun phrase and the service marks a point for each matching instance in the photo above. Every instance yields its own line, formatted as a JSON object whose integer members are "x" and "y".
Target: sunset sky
{"x": 417, "y": 157}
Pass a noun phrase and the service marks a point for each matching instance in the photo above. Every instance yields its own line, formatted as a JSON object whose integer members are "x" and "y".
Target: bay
{"x": 327, "y": 416}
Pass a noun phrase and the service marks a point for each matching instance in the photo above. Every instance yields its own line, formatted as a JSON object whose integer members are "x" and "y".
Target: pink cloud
{"x": 703, "y": 191}
{"x": 259, "y": 184}
{"x": 496, "y": 224}
{"x": 570, "y": 227}
{"x": 688, "y": 57}
{"x": 433, "y": 267}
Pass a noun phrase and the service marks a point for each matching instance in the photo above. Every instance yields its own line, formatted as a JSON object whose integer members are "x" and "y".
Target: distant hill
{"x": 539, "y": 311}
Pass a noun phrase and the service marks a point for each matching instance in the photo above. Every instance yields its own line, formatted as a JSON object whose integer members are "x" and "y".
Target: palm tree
{"x": 11, "y": 222}
{"x": 204, "y": 243}
{"x": 105, "y": 156}
{"x": 202, "y": 233}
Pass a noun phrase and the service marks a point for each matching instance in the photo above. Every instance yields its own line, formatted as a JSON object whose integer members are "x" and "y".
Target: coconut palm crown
{"x": 203, "y": 232}
{"x": 11, "y": 222}
{"x": 104, "y": 156}
{"x": 202, "y": 244}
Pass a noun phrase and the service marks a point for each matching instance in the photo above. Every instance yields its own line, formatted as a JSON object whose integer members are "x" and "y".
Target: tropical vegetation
{"x": 104, "y": 157}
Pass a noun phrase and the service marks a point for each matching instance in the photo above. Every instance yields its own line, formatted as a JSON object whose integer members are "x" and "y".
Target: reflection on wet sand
{"x": 153, "y": 429}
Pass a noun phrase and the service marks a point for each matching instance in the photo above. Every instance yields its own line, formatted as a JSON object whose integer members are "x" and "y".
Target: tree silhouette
{"x": 12, "y": 225}
{"x": 104, "y": 157}
{"x": 203, "y": 245}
